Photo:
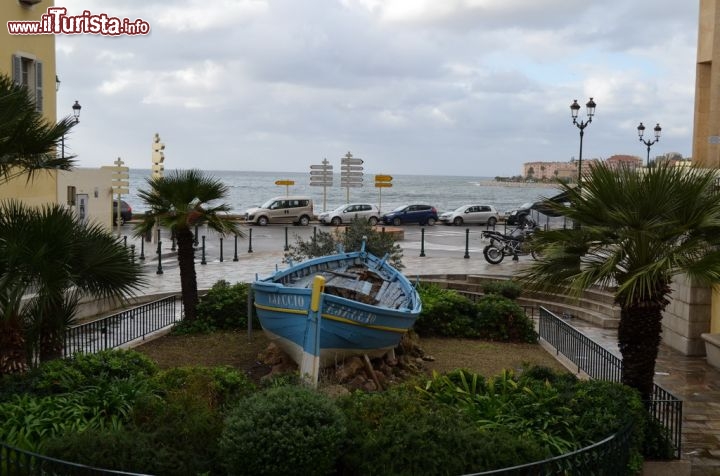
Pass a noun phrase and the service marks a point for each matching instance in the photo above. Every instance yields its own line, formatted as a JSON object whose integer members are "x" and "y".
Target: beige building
{"x": 30, "y": 60}
{"x": 549, "y": 171}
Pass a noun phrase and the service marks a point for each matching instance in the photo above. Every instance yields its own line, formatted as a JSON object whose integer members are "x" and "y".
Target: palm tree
{"x": 49, "y": 261}
{"x": 636, "y": 231}
{"x": 28, "y": 141}
{"x": 179, "y": 202}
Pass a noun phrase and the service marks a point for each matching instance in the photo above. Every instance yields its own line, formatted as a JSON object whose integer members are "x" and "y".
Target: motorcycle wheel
{"x": 493, "y": 255}
{"x": 536, "y": 255}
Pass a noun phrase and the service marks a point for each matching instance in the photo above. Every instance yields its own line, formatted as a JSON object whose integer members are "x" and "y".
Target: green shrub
{"x": 505, "y": 288}
{"x": 217, "y": 386}
{"x": 223, "y": 307}
{"x": 445, "y": 313}
{"x": 501, "y": 319}
{"x": 398, "y": 433}
{"x": 82, "y": 370}
{"x": 283, "y": 430}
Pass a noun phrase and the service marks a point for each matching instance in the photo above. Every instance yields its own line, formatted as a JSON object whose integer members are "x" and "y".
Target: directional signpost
{"x": 287, "y": 184}
{"x": 119, "y": 184}
{"x": 321, "y": 175}
{"x": 351, "y": 174}
{"x": 382, "y": 181}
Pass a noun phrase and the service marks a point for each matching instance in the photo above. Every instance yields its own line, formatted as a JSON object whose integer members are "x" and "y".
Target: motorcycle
{"x": 514, "y": 244}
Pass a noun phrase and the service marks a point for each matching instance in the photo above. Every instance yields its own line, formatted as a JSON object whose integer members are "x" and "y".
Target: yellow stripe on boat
{"x": 332, "y": 318}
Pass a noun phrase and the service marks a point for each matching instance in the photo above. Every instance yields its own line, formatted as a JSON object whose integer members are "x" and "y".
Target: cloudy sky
{"x": 451, "y": 87}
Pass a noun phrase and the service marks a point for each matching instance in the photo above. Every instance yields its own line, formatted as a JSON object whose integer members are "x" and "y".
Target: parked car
{"x": 346, "y": 213}
{"x": 518, "y": 215}
{"x": 421, "y": 214}
{"x": 471, "y": 214}
{"x": 286, "y": 209}
{"x": 125, "y": 212}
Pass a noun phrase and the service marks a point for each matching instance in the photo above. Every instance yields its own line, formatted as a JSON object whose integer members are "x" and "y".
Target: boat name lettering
{"x": 350, "y": 314}
{"x": 287, "y": 300}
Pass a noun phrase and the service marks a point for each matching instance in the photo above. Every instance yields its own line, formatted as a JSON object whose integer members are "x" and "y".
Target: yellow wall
{"x": 40, "y": 47}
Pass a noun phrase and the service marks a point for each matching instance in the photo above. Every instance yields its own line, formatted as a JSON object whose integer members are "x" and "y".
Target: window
{"x": 28, "y": 72}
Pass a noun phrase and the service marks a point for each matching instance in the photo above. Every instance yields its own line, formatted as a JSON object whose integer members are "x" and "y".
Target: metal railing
{"x": 17, "y": 462}
{"x": 598, "y": 363}
{"x": 118, "y": 329}
{"x": 608, "y": 457}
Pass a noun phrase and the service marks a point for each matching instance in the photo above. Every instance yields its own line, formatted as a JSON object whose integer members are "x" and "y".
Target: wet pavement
{"x": 453, "y": 250}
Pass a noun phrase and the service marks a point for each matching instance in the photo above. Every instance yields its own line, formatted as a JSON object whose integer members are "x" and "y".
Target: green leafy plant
{"x": 283, "y": 430}
{"x": 505, "y": 288}
{"x": 223, "y": 307}
{"x": 445, "y": 313}
{"x": 502, "y": 319}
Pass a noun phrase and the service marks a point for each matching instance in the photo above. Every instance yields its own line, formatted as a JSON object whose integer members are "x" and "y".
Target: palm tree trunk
{"x": 639, "y": 339}
{"x": 13, "y": 359}
{"x": 188, "y": 278}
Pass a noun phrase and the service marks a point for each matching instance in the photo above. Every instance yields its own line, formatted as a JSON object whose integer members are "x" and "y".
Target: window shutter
{"x": 38, "y": 86}
{"x": 17, "y": 69}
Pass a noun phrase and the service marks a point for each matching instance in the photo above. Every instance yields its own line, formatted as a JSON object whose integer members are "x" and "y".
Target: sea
{"x": 249, "y": 189}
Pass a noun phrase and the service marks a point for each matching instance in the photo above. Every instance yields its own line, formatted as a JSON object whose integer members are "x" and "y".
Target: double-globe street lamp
{"x": 574, "y": 109}
{"x": 76, "y": 113}
{"x": 648, "y": 143}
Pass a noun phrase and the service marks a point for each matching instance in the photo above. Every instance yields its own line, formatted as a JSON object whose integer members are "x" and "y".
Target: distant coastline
{"x": 494, "y": 183}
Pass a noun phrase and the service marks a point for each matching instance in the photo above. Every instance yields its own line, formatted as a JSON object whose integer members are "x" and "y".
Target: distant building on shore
{"x": 564, "y": 171}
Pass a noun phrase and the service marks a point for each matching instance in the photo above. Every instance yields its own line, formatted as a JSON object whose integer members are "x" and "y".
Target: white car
{"x": 346, "y": 213}
{"x": 471, "y": 214}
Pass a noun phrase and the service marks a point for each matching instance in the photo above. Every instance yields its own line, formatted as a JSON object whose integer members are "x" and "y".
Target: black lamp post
{"x": 76, "y": 113}
{"x": 648, "y": 143}
{"x": 574, "y": 109}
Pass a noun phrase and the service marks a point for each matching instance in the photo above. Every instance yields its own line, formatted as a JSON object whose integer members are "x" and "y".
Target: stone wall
{"x": 687, "y": 316}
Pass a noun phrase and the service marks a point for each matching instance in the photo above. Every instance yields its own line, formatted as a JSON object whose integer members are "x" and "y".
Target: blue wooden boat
{"x": 362, "y": 305}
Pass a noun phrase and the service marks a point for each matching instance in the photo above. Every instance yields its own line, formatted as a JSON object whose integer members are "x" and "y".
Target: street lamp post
{"x": 574, "y": 109}
{"x": 648, "y": 143}
{"x": 76, "y": 113}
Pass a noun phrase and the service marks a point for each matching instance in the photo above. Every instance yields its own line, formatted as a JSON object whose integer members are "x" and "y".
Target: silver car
{"x": 346, "y": 213}
{"x": 471, "y": 214}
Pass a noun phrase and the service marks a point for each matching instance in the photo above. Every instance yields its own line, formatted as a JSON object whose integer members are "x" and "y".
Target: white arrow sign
{"x": 345, "y": 168}
{"x": 324, "y": 173}
{"x": 351, "y": 161}
{"x": 345, "y": 175}
{"x": 321, "y": 167}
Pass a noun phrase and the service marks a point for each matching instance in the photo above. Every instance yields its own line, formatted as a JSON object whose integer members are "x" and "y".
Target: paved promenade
{"x": 689, "y": 378}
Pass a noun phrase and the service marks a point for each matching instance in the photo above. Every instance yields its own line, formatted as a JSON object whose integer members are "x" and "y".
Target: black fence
{"x": 118, "y": 329}
{"x": 17, "y": 462}
{"x": 598, "y": 363}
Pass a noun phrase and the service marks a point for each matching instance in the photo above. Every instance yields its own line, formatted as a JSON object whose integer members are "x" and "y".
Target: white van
{"x": 287, "y": 209}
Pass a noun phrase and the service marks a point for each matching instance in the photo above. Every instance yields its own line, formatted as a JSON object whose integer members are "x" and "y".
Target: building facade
{"x": 30, "y": 61}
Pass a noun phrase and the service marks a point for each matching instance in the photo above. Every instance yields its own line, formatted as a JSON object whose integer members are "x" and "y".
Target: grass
{"x": 235, "y": 349}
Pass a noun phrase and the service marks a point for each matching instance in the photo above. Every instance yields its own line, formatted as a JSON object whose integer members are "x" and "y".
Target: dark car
{"x": 518, "y": 216}
{"x": 421, "y": 214}
{"x": 125, "y": 212}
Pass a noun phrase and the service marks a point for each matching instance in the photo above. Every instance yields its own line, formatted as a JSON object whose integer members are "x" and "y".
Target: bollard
{"x": 250, "y": 242}
{"x": 202, "y": 261}
{"x": 467, "y": 243}
{"x": 221, "y": 249}
{"x": 314, "y": 234}
{"x": 159, "y": 253}
{"x": 235, "y": 258}
{"x": 422, "y": 242}
{"x": 195, "y": 240}
{"x": 125, "y": 241}
{"x": 172, "y": 238}
{"x": 287, "y": 248}
{"x": 132, "y": 253}
{"x": 142, "y": 250}
{"x": 158, "y": 235}
{"x": 383, "y": 230}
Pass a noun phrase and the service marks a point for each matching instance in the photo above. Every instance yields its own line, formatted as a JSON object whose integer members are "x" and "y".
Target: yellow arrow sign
{"x": 383, "y": 178}
{"x": 285, "y": 182}
{"x": 383, "y": 184}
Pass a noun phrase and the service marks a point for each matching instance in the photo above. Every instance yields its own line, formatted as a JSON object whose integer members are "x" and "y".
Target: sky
{"x": 432, "y": 87}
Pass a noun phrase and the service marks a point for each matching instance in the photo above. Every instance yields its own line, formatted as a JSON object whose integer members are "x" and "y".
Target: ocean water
{"x": 248, "y": 189}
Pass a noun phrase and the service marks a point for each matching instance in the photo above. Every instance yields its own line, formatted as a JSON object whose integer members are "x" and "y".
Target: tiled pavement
{"x": 689, "y": 378}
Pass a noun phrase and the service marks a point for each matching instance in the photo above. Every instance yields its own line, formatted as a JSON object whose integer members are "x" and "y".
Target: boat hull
{"x": 346, "y": 326}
